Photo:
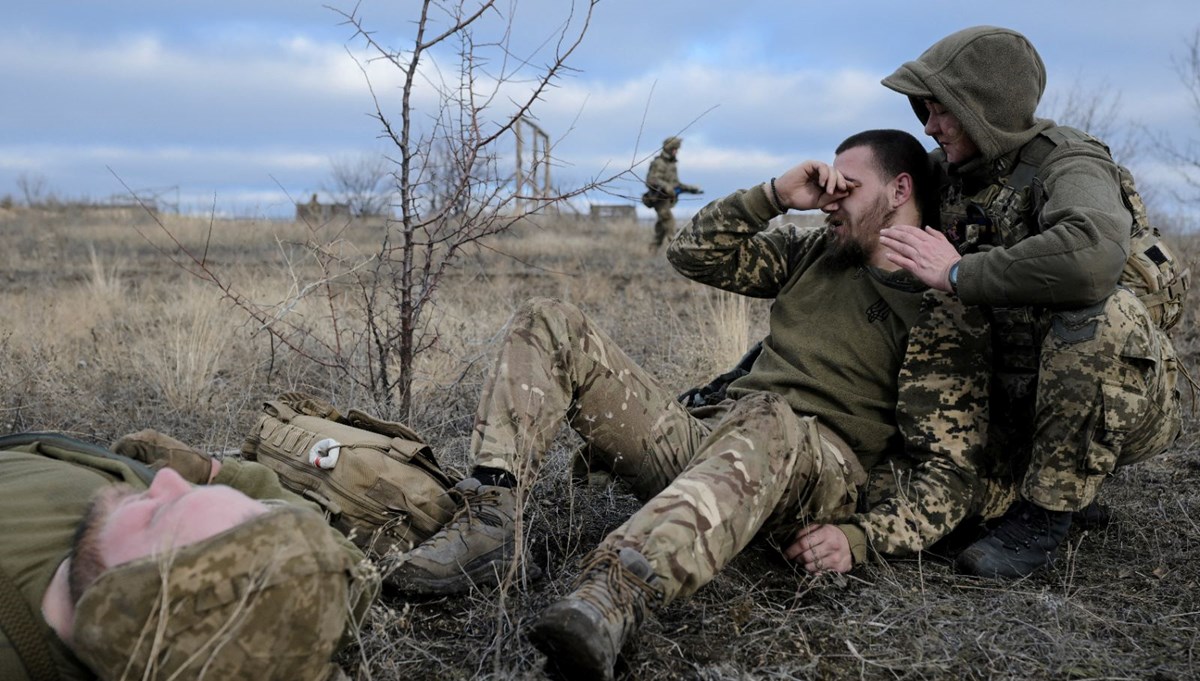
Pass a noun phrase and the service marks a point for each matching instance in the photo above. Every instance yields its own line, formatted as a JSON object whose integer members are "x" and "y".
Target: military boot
{"x": 473, "y": 549}
{"x": 583, "y": 633}
{"x": 1026, "y": 538}
{"x": 1094, "y": 516}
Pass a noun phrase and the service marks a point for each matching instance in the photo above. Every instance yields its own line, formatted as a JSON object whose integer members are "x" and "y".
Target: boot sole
{"x": 565, "y": 646}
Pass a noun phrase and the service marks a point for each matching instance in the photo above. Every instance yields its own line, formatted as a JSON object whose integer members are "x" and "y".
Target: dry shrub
{"x": 730, "y": 335}
{"x": 183, "y": 355}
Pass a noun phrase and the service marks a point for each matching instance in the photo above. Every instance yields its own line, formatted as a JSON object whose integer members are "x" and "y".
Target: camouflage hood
{"x": 990, "y": 78}
{"x": 268, "y": 599}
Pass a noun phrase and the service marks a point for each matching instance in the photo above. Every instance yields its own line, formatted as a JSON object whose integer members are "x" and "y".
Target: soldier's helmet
{"x": 267, "y": 599}
{"x": 672, "y": 144}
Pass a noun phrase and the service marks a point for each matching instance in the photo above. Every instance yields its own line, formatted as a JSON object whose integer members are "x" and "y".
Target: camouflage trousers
{"x": 664, "y": 225}
{"x": 1107, "y": 396}
{"x": 711, "y": 481}
{"x": 1100, "y": 392}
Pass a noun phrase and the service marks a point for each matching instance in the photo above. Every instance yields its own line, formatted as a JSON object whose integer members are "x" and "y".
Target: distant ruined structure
{"x": 612, "y": 211}
{"x": 316, "y": 212}
{"x": 532, "y": 176}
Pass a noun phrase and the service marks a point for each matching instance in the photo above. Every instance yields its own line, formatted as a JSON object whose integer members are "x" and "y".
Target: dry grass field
{"x": 102, "y": 336}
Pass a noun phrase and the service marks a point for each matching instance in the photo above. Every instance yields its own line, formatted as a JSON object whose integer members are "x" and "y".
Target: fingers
{"x": 832, "y": 182}
{"x": 821, "y": 548}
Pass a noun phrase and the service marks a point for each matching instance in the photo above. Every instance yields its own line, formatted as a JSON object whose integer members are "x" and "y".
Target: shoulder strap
{"x": 24, "y": 633}
{"x": 1035, "y": 151}
{"x": 1031, "y": 158}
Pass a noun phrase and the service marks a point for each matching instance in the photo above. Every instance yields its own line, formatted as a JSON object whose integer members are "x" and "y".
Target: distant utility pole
{"x": 531, "y": 189}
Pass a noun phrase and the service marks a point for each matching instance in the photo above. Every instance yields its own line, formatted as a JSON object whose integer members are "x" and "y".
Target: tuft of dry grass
{"x": 103, "y": 337}
{"x": 181, "y": 357}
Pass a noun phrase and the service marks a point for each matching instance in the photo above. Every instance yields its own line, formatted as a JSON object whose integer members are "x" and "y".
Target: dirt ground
{"x": 95, "y": 343}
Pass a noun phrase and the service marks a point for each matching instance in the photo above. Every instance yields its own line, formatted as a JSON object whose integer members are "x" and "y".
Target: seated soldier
{"x": 786, "y": 450}
{"x": 126, "y": 572}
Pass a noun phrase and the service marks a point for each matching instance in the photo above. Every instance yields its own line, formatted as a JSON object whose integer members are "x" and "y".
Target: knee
{"x": 553, "y": 312}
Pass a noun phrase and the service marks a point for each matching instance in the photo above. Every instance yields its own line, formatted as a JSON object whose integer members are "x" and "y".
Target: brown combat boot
{"x": 473, "y": 549}
{"x": 583, "y": 634}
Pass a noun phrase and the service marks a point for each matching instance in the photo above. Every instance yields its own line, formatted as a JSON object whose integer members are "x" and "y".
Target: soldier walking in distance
{"x": 663, "y": 189}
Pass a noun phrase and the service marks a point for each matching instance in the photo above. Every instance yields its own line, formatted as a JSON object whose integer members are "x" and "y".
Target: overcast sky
{"x": 240, "y": 104}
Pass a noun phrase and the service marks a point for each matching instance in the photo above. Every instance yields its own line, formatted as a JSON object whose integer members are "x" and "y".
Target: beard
{"x": 86, "y": 563}
{"x": 855, "y": 243}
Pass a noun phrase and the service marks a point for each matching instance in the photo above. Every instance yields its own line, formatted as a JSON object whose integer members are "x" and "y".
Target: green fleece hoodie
{"x": 991, "y": 79}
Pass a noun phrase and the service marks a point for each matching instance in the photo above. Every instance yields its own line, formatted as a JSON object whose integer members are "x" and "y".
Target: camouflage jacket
{"x": 850, "y": 387}
{"x": 943, "y": 476}
{"x": 663, "y": 178}
{"x": 44, "y": 493}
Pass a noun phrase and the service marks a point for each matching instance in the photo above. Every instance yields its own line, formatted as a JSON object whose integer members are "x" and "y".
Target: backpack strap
{"x": 24, "y": 633}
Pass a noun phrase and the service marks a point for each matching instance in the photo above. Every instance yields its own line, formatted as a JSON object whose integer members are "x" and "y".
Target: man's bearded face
{"x": 854, "y": 228}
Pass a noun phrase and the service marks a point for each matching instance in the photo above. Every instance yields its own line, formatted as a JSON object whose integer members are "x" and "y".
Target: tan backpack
{"x": 377, "y": 480}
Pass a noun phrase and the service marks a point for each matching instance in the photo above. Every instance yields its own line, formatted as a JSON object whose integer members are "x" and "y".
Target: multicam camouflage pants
{"x": 711, "y": 483}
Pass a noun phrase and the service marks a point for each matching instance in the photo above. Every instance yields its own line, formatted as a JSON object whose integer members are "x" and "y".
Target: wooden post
{"x": 527, "y": 183}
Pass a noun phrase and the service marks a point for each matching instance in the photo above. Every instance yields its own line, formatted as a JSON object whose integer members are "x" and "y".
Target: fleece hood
{"x": 990, "y": 78}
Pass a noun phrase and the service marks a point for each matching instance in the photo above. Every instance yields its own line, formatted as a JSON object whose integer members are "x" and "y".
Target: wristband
{"x": 775, "y": 196}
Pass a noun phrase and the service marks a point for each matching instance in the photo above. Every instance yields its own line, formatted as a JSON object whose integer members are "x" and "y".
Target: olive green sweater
{"x": 837, "y": 335}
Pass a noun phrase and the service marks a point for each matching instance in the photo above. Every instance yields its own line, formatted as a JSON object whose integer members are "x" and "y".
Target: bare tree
{"x": 364, "y": 182}
{"x": 453, "y": 188}
{"x": 453, "y": 192}
{"x": 1097, "y": 111}
{"x": 1187, "y": 153}
{"x": 34, "y": 189}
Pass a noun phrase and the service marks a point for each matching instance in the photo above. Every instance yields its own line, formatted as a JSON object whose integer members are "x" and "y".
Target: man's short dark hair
{"x": 896, "y": 152}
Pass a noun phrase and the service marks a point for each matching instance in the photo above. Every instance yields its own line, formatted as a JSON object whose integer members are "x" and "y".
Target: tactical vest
{"x": 1005, "y": 213}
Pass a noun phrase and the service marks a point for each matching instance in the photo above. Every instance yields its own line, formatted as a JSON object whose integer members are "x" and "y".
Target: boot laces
{"x": 613, "y": 589}
{"x": 1023, "y": 526}
{"x": 472, "y": 504}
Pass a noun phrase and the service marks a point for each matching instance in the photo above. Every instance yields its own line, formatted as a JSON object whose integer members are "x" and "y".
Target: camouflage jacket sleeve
{"x": 663, "y": 176}
{"x": 727, "y": 245}
{"x": 1076, "y": 258}
{"x": 942, "y": 411}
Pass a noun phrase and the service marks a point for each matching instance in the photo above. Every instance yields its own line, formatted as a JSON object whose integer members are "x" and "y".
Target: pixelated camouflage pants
{"x": 1099, "y": 391}
{"x": 711, "y": 484}
{"x": 1107, "y": 396}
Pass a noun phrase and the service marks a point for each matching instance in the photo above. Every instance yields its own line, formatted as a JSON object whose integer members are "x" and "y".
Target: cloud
{"x": 48, "y": 157}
